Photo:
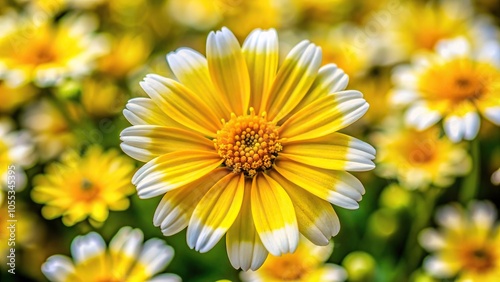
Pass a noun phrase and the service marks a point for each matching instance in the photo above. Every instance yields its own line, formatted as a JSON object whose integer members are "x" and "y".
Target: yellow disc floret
{"x": 248, "y": 143}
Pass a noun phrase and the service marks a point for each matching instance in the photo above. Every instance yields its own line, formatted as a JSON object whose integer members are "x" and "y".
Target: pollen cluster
{"x": 248, "y": 143}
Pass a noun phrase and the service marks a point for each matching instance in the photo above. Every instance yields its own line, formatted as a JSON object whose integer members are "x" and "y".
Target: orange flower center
{"x": 458, "y": 80}
{"x": 479, "y": 260}
{"x": 288, "y": 267}
{"x": 88, "y": 190}
{"x": 248, "y": 143}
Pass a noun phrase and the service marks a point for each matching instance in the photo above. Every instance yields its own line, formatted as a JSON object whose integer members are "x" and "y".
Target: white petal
{"x": 57, "y": 268}
{"x": 127, "y": 241}
{"x": 431, "y": 239}
{"x": 471, "y": 125}
{"x": 87, "y": 246}
{"x": 156, "y": 255}
{"x": 437, "y": 267}
{"x": 455, "y": 128}
{"x": 493, "y": 114}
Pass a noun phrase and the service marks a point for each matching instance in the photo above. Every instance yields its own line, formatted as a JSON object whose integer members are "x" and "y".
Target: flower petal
{"x": 316, "y": 218}
{"x": 244, "y": 247}
{"x": 58, "y": 268}
{"x": 144, "y": 111}
{"x": 176, "y": 207}
{"x": 216, "y": 212}
{"x": 274, "y": 216}
{"x": 337, "y": 187}
{"x": 146, "y": 142}
{"x": 181, "y": 104}
{"x": 261, "y": 53}
{"x": 228, "y": 70}
{"x": 334, "y": 151}
{"x": 330, "y": 79}
{"x": 421, "y": 116}
{"x": 294, "y": 78}
{"x": 173, "y": 170}
{"x": 191, "y": 69}
{"x": 324, "y": 116}
{"x": 87, "y": 246}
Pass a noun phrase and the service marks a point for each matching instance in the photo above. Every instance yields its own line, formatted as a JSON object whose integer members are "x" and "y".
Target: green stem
{"x": 412, "y": 253}
{"x": 470, "y": 184}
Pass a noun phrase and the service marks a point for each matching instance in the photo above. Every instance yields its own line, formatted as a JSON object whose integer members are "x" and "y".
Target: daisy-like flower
{"x": 46, "y": 53}
{"x": 453, "y": 84}
{"x": 306, "y": 264}
{"x": 419, "y": 159}
{"x": 418, "y": 26}
{"x": 85, "y": 186}
{"x": 16, "y": 152}
{"x": 126, "y": 259}
{"x": 242, "y": 147}
{"x": 467, "y": 244}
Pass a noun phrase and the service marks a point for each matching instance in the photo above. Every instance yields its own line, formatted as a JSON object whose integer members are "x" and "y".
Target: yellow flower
{"x": 242, "y": 147}
{"x": 467, "y": 244}
{"x": 127, "y": 52}
{"x": 87, "y": 186}
{"x": 419, "y": 159}
{"x": 13, "y": 96}
{"x": 455, "y": 84}
{"x": 51, "y": 132}
{"x": 418, "y": 26}
{"x": 16, "y": 153}
{"x": 126, "y": 259}
{"x": 306, "y": 264}
{"x": 46, "y": 53}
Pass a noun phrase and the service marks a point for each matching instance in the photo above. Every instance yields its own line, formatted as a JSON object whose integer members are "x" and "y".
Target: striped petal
{"x": 173, "y": 170}
{"x": 140, "y": 111}
{"x": 294, "y": 78}
{"x": 337, "y": 187}
{"x": 146, "y": 142}
{"x": 324, "y": 116}
{"x": 191, "y": 69}
{"x": 261, "y": 53}
{"x": 176, "y": 207}
{"x": 334, "y": 151}
{"x": 274, "y": 216}
{"x": 181, "y": 104}
{"x": 228, "y": 70}
{"x": 316, "y": 218}
{"x": 244, "y": 247}
{"x": 216, "y": 212}
{"x": 330, "y": 79}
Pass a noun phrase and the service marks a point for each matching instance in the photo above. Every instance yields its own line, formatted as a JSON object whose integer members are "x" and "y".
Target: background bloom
{"x": 126, "y": 259}
{"x": 86, "y": 186}
{"x": 419, "y": 159}
{"x": 455, "y": 84}
{"x": 306, "y": 264}
{"x": 466, "y": 245}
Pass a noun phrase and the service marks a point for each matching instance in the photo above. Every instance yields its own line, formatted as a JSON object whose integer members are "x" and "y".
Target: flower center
{"x": 479, "y": 260}
{"x": 288, "y": 267}
{"x": 88, "y": 190}
{"x": 248, "y": 143}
